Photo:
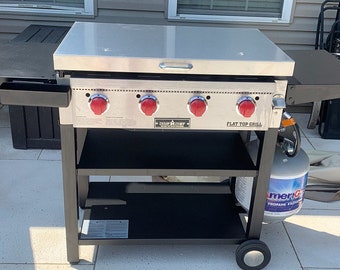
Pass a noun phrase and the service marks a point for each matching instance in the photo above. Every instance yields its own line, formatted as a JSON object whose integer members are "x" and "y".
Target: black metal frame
{"x": 79, "y": 192}
{"x": 319, "y": 38}
{"x": 321, "y": 45}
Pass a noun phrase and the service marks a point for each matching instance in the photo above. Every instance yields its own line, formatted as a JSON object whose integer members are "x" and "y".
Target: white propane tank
{"x": 287, "y": 184}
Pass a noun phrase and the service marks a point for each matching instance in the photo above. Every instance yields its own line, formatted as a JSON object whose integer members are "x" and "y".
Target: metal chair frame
{"x": 321, "y": 45}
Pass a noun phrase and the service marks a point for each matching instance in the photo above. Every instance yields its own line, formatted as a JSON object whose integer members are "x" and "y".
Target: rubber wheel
{"x": 252, "y": 255}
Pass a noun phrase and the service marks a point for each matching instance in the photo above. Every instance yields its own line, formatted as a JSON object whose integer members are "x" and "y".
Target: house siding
{"x": 300, "y": 34}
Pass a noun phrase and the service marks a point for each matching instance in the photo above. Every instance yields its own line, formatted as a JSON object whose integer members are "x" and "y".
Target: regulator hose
{"x": 289, "y": 137}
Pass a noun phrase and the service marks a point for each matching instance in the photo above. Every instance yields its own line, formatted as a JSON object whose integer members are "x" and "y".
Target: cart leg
{"x": 260, "y": 186}
{"x": 83, "y": 189}
{"x": 70, "y": 191}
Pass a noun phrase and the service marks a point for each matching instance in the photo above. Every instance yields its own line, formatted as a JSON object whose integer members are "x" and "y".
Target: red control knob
{"x": 98, "y": 104}
{"x": 148, "y": 105}
{"x": 246, "y": 106}
{"x": 197, "y": 106}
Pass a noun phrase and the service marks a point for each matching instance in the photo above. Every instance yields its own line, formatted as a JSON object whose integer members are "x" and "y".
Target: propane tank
{"x": 287, "y": 184}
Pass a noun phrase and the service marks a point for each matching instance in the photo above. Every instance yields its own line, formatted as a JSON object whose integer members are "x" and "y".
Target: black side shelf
{"x": 35, "y": 94}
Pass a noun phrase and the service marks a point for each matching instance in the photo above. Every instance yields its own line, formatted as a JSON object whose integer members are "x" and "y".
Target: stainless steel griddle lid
{"x": 170, "y": 49}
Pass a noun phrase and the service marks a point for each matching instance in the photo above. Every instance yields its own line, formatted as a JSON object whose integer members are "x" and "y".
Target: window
{"x": 270, "y": 11}
{"x": 66, "y": 7}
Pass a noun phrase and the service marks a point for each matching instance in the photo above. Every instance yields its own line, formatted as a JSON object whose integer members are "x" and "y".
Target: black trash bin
{"x": 37, "y": 127}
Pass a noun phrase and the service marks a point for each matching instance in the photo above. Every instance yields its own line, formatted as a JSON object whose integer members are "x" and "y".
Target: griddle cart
{"x": 131, "y": 213}
{"x": 149, "y": 108}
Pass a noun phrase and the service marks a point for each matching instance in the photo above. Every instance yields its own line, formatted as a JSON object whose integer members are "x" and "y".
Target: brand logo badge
{"x": 172, "y": 122}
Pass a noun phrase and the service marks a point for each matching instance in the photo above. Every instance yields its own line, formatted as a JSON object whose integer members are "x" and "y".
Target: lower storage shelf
{"x": 156, "y": 212}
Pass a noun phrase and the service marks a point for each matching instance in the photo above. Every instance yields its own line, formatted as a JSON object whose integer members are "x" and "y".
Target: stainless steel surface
{"x": 172, "y": 97}
{"x": 20, "y": 60}
{"x": 179, "y": 50}
{"x": 170, "y": 49}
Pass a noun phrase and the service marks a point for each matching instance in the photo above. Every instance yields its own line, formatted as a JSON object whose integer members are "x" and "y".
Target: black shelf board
{"x": 106, "y": 193}
{"x": 157, "y": 149}
{"x": 152, "y": 216}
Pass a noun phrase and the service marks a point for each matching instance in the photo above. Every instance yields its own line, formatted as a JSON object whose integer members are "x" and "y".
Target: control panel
{"x": 167, "y": 104}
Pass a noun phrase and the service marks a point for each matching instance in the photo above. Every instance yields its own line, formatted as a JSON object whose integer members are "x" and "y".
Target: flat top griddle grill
{"x": 93, "y": 48}
{"x": 170, "y": 49}
{"x": 159, "y": 126}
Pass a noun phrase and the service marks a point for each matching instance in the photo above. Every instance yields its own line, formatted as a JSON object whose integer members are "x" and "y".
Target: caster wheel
{"x": 252, "y": 255}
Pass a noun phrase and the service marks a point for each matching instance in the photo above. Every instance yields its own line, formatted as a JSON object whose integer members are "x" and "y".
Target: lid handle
{"x": 175, "y": 66}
